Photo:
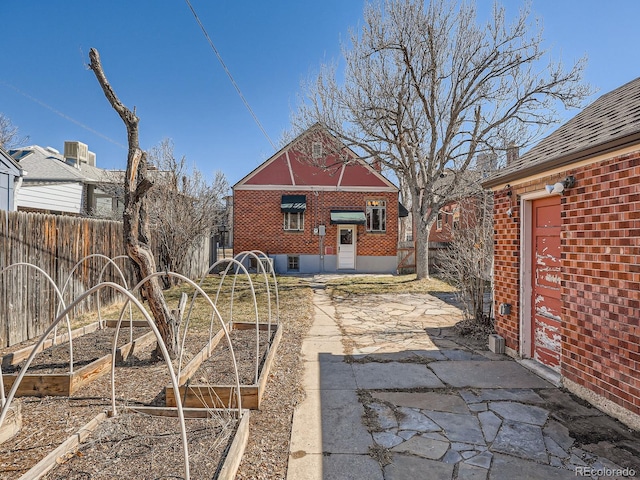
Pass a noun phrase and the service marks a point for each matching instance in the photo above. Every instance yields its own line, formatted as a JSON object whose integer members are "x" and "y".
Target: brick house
{"x": 567, "y": 254}
{"x": 314, "y": 208}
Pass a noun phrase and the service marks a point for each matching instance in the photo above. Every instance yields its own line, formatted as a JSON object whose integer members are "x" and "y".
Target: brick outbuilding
{"x": 315, "y": 206}
{"x": 567, "y": 254}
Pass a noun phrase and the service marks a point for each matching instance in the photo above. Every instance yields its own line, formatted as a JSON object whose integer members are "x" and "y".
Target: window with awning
{"x": 348, "y": 217}
{"x": 293, "y": 203}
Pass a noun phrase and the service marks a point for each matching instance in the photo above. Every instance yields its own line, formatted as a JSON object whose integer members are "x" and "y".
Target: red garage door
{"x": 545, "y": 281}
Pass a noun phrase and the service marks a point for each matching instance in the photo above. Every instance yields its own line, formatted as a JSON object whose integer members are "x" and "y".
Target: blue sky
{"x": 157, "y": 59}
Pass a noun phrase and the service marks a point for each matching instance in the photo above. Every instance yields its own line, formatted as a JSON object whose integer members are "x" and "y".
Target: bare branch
{"x": 426, "y": 89}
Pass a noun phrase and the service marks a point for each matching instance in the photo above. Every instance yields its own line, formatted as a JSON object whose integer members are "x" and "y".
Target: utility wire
{"x": 61, "y": 114}
{"x": 244, "y": 100}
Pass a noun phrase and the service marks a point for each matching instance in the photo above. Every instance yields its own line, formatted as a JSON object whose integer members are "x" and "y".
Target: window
{"x": 294, "y": 221}
{"x": 439, "y": 220}
{"x": 316, "y": 150}
{"x": 456, "y": 219}
{"x": 376, "y": 215}
{"x": 293, "y": 263}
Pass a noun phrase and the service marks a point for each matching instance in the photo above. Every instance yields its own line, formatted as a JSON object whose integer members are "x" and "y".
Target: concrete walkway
{"x": 391, "y": 395}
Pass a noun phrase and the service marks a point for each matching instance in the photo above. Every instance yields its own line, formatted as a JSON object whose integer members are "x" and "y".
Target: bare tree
{"x": 426, "y": 88}
{"x": 135, "y": 216}
{"x": 9, "y": 134}
{"x": 183, "y": 207}
{"x": 467, "y": 261}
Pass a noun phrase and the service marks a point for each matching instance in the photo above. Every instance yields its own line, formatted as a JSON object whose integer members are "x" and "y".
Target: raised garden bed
{"x": 49, "y": 375}
{"x": 208, "y": 381}
{"x": 12, "y": 422}
{"x": 143, "y": 440}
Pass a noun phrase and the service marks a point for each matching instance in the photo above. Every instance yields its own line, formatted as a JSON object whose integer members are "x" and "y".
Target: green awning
{"x": 293, "y": 203}
{"x": 402, "y": 211}
{"x": 347, "y": 217}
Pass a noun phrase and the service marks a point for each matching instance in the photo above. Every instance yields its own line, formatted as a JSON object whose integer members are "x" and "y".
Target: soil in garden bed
{"x": 48, "y": 421}
{"x": 86, "y": 349}
{"x": 134, "y": 445}
{"x": 218, "y": 368}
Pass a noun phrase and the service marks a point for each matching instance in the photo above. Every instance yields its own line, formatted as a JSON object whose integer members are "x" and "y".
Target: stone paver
{"x": 471, "y": 472}
{"x": 342, "y": 428}
{"x": 393, "y": 375}
{"x": 459, "y": 428}
{"x": 490, "y": 424}
{"x": 435, "y": 408}
{"x": 408, "y": 467}
{"x": 486, "y": 374}
{"x": 423, "y": 447}
{"x": 519, "y": 412}
{"x": 427, "y": 400}
{"x": 505, "y": 466}
{"x": 522, "y": 440}
{"x": 350, "y": 467}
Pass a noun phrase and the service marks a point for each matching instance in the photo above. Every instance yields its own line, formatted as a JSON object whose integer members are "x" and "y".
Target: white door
{"x": 346, "y": 247}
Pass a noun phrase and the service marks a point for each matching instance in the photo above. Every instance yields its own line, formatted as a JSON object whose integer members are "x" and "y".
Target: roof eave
{"x": 565, "y": 160}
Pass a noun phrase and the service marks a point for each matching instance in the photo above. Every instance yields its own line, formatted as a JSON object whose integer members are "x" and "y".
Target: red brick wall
{"x": 506, "y": 247}
{"x": 467, "y": 219}
{"x": 601, "y": 276}
{"x": 601, "y": 287}
{"x": 258, "y": 222}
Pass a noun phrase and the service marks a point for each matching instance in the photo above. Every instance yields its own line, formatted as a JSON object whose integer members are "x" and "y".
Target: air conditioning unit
{"x": 267, "y": 264}
{"x": 76, "y": 153}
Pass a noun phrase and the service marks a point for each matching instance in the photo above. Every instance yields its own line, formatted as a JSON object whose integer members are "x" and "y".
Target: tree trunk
{"x": 135, "y": 217}
{"x": 422, "y": 228}
{"x": 422, "y": 250}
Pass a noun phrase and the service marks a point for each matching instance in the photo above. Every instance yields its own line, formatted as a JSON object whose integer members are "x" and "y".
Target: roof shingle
{"x": 611, "y": 122}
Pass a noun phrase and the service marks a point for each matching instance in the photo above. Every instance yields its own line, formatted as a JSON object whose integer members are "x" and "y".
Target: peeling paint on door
{"x": 546, "y": 282}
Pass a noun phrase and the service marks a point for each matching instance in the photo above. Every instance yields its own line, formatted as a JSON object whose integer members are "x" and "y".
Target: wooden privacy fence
{"x": 406, "y": 254}
{"x": 56, "y": 243}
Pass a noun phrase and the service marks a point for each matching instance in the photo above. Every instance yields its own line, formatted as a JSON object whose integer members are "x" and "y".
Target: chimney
{"x": 377, "y": 165}
{"x": 513, "y": 153}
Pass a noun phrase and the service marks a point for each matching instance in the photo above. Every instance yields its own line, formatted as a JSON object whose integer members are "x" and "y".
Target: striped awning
{"x": 348, "y": 217}
{"x": 293, "y": 203}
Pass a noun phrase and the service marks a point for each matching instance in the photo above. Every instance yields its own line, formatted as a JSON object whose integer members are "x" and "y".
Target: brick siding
{"x": 600, "y": 288}
{"x": 258, "y": 222}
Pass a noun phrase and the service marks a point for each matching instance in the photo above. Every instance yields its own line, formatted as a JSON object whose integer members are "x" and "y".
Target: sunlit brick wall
{"x": 258, "y": 222}
{"x": 600, "y": 288}
{"x": 601, "y": 283}
{"x": 506, "y": 247}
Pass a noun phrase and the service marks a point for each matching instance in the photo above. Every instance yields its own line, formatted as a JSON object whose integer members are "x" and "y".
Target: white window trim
{"x": 286, "y": 225}
{"x": 289, "y": 257}
{"x": 382, "y": 207}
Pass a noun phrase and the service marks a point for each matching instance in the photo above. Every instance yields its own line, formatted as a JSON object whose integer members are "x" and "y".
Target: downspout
{"x": 17, "y": 183}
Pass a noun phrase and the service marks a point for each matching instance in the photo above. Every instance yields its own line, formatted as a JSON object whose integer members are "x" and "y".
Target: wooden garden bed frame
{"x": 221, "y": 396}
{"x": 66, "y": 384}
{"x": 227, "y": 471}
{"x": 12, "y": 422}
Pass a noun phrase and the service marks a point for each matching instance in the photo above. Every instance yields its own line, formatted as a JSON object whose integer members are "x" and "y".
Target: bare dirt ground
{"x": 86, "y": 349}
{"x": 135, "y": 446}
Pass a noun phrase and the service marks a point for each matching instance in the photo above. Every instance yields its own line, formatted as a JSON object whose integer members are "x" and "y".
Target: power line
{"x": 61, "y": 114}
{"x": 244, "y": 100}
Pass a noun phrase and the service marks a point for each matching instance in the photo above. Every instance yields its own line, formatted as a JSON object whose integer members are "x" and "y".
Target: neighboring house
{"x": 10, "y": 179}
{"x": 311, "y": 212}
{"x": 69, "y": 184}
{"x": 457, "y": 215}
{"x": 567, "y": 253}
